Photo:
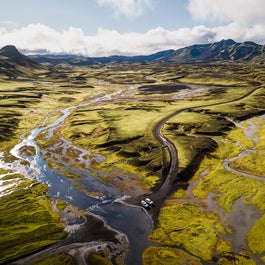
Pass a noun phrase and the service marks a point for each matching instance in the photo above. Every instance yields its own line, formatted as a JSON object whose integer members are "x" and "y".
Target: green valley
{"x": 75, "y": 140}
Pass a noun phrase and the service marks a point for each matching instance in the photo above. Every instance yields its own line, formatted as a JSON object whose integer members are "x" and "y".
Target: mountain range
{"x": 12, "y": 62}
{"x": 222, "y": 51}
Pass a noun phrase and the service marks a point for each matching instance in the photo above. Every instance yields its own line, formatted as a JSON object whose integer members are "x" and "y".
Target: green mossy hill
{"x": 221, "y": 75}
{"x": 126, "y": 74}
{"x": 244, "y": 109}
{"x": 168, "y": 256}
{"x": 240, "y": 259}
{"x": 27, "y": 223}
{"x": 251, "y": 163}
{"x": 256, "y": 238}
{"x": 113, "y": 130}
{"x": 15, "y": 98}
{"x": 192, "y": 134}
{"x": 188, "y": 226}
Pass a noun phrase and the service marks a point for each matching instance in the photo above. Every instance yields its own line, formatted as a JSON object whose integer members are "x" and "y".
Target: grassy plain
{"x": 128, "y": 144}
{"x": 113, "y": 129}
{"x": 204, "y": 137}
{"x": 120, "y": 129}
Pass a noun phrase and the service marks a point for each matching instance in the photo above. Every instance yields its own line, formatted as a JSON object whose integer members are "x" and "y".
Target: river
{"x": 132, "y": 221}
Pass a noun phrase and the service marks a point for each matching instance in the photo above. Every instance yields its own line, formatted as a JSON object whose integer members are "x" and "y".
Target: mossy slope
{"x": 34, "y": 225}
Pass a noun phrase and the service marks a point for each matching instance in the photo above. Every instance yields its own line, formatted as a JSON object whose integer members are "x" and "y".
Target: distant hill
{"x": 11, "y": 53}
{"x": 14, "y": 63}
{"x": 222, "y": 51}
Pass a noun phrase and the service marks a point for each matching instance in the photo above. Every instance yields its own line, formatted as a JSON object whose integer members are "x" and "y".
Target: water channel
{"x": 132, "y": 221}
{"x": 251, "y": 134}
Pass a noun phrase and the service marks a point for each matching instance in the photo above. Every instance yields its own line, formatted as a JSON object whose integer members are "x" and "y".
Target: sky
{"x": 126, "y": 27}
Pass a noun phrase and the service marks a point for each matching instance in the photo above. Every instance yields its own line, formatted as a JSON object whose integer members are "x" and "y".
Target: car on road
{"x": 145, "y": 204}
{"x": 149, "y": 201}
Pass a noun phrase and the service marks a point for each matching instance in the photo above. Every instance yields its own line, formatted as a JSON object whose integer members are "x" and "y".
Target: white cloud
{"x": 128, "y": 8}
{"x": 241, "y": 33}
{"x": 241, "y": 20}
{"x": 8, "y": 23}
{"x": 248, "y": 12}
{"x": 38, "y": 37}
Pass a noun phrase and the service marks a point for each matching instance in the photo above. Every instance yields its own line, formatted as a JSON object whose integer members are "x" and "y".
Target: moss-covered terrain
{"x": 27, "y": 222}
{"x": 207, "y": 212}
{"x": 114, "y": 131}
{"x": 167, "y": 255}
{"x": 119, "y": 129}
{"x": 56, "y": 260}
{"x": 189, "y": 228}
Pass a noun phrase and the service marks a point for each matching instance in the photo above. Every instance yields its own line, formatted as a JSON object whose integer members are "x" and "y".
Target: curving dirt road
{"x": 166, "y": 187}
{"x": 79, "y": 244}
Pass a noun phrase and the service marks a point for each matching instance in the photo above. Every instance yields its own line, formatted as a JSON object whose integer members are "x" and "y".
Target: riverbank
{"x": 91, "y": 240}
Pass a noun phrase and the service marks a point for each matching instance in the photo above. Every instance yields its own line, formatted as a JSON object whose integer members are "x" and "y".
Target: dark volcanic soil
{"x": 161, "y": 89}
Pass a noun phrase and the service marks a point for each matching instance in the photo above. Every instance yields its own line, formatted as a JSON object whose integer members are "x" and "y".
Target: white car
{"x": 144, "y": 204}
{"x": 149, "y": 201}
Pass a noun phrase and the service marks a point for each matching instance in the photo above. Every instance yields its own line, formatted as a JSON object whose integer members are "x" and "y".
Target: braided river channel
{"x": 131, "y": 222}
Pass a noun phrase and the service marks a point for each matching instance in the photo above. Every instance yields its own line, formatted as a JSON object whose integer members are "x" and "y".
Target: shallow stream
{"x": 251, "y": 133}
